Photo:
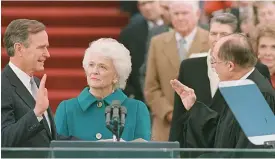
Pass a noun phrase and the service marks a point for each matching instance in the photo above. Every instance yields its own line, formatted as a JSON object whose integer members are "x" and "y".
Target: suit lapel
{"x": 20, "y": 89}
{"x": 51, "y": 118}
{"x": 24, "y": 94}
{"x": 206, "y": 85}
{"x": 170, "y": 50}
{"x": 196, "y": 43}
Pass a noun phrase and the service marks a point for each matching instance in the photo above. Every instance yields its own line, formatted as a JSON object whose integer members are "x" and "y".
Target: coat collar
{"x": 86, "y": 99}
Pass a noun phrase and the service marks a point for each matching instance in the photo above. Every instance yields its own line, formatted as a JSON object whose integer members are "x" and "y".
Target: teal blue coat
{"x": 84, "y": 117}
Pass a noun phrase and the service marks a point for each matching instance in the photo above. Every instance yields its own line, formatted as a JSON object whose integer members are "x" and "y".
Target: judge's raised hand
{"x": 42, "y": 100}
{"x": 187, "y": 95}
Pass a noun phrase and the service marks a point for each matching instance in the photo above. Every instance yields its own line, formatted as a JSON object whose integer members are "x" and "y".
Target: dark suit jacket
{"x": 134, "y": 38}
{"x": 19, "y": 125}
{"x": 214, "y": 126}
{"x": 193, "y": 73}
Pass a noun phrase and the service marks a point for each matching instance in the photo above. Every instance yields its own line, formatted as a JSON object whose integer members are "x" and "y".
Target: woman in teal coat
{"x": 107, "y": 65}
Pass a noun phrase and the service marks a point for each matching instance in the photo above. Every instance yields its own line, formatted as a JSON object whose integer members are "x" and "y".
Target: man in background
{"x": 134, "y": 37}
{"x": 166, "y": 52}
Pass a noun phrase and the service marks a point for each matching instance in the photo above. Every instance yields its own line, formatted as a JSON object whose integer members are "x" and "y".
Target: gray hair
{"x": 195, "y": 4}
{"x": 18, "y": 31}
{"x": 226, "y": 18}
{"x": 119, "y": 54}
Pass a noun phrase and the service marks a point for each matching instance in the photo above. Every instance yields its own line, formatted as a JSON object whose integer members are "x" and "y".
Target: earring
{"x": 115, "y": 81}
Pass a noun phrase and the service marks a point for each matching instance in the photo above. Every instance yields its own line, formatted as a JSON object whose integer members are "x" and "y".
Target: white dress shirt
{"x": 151, "y": 24}
{"x": 188, "y": 39}
{"x": 247, "y": 74}
{"x": 212, "y": 75}
{"x": 25, "y": 79}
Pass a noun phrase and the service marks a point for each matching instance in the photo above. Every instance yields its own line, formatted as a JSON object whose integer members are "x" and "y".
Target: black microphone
{"x": 108, "y": 115}
{"x": 123, "y": 113}
{"x": 115, "y": 111}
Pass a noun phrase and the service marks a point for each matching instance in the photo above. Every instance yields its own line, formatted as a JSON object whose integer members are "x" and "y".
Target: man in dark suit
{"x": 197, "y": 73}
{"x": 26, "y": 118}
{"x": 215, "y": 126}
{"x": 165, "y": 15}
{"x": 134, "y": 38}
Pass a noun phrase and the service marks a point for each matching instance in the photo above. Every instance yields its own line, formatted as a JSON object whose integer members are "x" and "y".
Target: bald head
{"x": 237, "y": 49}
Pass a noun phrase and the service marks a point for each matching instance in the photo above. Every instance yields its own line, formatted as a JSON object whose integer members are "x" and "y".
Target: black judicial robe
{"x": 215, "y": 126}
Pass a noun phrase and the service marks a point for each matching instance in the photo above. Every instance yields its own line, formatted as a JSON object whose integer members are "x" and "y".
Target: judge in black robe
{"x": 215, "y": 126}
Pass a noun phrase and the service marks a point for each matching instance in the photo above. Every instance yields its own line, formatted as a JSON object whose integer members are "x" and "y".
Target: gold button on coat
{"x": 99, "y": 104}
{"x": 98, "y": 136}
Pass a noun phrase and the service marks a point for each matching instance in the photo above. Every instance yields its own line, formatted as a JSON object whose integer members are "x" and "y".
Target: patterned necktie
{"x": 182, "y": 50}
{"x": 34, "y": 88}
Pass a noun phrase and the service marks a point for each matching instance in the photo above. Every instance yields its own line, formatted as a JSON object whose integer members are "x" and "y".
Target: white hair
{"x": 117, "y": 52}
{"x": 194, "y": 4}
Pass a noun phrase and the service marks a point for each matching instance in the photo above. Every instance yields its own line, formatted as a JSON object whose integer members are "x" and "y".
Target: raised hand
{"x": 42, "y": 100}
{"x": 187, "y": 95}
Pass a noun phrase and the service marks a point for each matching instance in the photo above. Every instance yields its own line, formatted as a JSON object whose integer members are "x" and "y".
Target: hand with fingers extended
{"x": 187, "y": 95}
{"x": 42, "y": 100}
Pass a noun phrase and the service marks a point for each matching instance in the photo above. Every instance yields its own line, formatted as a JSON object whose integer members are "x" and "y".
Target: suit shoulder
{"x": 194, "y": 62}
{"x": 5, "y": 82}
{"x": 162, "y": 36}
{"x": 134, "y": 25}
{"x": 262, "y": 82}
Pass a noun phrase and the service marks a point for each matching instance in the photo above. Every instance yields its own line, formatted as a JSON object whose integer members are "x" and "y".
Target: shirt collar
{"x": 86, "y": 99}
{"x": 247, "y": 74}
{"x": 23, "y": 77}
{"x": 189, "y": 38}
{"x": 151, "y": 24}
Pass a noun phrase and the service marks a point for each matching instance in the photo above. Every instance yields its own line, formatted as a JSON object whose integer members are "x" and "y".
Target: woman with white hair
{"x": 107, "y": 65}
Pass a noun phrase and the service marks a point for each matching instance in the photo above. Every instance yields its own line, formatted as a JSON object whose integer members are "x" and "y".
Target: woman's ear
{"x": 115, "y": 79}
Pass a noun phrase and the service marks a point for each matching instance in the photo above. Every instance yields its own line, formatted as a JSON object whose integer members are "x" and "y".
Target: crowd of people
{"x": 165, "y": 68}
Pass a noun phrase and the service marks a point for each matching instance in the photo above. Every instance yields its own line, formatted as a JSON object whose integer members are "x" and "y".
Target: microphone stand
{"x": 115, "y": 113}
{"x": 118, "y": 115}
{"x": 123, "y": 113}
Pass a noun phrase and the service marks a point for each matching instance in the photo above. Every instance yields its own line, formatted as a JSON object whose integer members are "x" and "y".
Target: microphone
{"x": 115, "y": 108}
{"x": 123, "y": 113}
{"x": 108, "y": 115}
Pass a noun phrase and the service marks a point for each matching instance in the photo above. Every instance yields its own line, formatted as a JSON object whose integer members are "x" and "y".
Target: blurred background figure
{"x": 265, "y": 46}
{"x": 129, "y": 7}
{"x": 166, "y": 51}
{"x": 135, "y": 37}
{"x": 265, "y": 11}
{"x": 165, "y": 15}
